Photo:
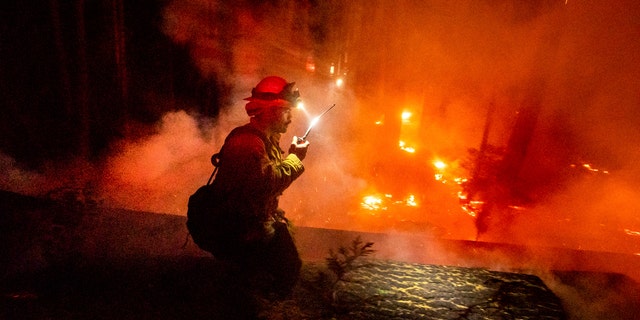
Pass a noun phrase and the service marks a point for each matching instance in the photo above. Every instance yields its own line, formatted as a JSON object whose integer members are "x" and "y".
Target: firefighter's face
{"x": 280, "y": 118}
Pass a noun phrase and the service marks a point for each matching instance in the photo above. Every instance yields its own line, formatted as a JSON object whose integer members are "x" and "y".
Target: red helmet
{"x": 271, "y": 91}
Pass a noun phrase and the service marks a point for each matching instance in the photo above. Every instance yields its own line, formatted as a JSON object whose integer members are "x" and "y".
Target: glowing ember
{"x": 403, "y": 146}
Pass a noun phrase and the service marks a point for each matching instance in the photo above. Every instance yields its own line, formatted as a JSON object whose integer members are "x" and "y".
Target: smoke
{"x": 13, "y": 174}
{"x": 157, "y": 173}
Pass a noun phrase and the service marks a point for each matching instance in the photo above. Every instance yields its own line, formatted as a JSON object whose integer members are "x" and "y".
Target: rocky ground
{"x": 66, "y": 259}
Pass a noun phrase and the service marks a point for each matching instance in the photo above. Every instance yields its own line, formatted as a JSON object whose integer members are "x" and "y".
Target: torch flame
{"x": 315, "y": 120}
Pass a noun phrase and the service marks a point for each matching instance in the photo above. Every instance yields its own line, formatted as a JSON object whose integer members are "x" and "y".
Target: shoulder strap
{"x": 247, "y": 128}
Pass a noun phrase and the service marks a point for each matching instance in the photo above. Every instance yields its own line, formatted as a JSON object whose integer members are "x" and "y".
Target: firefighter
{"x": 253, "y": 172}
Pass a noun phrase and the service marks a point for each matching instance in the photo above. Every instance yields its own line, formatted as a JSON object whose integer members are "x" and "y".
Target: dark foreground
{"x": 200, "y": 288}
{"x": 60, "y": 263}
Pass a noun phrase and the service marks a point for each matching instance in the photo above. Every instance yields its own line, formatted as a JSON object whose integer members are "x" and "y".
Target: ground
{"x": 195, "y": 288}
{"x": 62, "y": 262}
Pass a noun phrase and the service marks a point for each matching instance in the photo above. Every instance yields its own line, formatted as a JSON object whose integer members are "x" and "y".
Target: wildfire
{"x": 631, "y": 232}
{"x": 472, "y": 207}
{"x": 411, "y": 201}
{"x": 439, "y": 164}
{"x": 403, "y": 146}
{"x": 444, "y": 174}
{"x": 373, "y": 203}
{"x": 590, "y": 168}
{"x": 406, "y": 116}
{"x": 383, "y": 202}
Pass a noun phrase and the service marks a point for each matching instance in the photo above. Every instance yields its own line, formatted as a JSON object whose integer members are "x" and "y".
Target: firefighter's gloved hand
{"x": 299, "y": 147}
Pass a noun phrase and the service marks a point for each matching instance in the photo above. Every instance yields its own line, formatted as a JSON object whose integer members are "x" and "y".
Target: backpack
{"x": 211, "y": 222}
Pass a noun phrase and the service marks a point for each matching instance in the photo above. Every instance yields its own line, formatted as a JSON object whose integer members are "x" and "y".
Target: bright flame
{"x": 373, "y": 203}
{"x": 314, "y": 121}
{"x": 406, "y": 148}
{"x": 382, "y": 202}
{"x": 631, "y": 232}
{"x": 589, "y": 167}
{"x": 459, "y": 180}
{"x": 411, "y": 201}
{"x": 339, "y": 82}
{"x": 439, "y": 164}
{"x": 406, "y": 116}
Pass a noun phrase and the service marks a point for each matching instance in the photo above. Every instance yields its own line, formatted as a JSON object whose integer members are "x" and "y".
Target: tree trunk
{"x": 84, "y": 112}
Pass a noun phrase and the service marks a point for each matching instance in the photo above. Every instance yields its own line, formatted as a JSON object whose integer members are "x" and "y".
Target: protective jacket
{"x": 252, "y": 174}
